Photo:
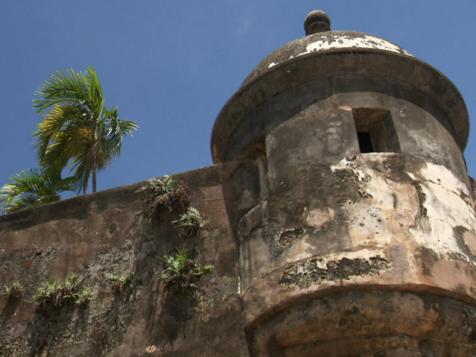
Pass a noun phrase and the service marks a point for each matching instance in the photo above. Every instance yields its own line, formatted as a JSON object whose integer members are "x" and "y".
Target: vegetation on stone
{"x": 14, "y": 290}
{"x": 55, "y": 294}
{"x": 119, "y": 282}
{"x": 191, "y": 221}
{"x": 181, "y": 272}
{"x": 162, "y": 185}
{"x": 165, "y": 192}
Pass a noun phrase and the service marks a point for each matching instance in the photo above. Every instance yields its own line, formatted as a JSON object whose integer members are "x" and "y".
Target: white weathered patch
{"x": 345, "y": 108}
{"x": 238, "y": 285}
{"x": 365, "y": 254}
{"x": 427, "y": 211}
{"x": 440, "y": 175}
{"x": 359, "y": 171}
{"x": 299, "y": 250}
{"x": 272, "y": 64}
{"x": 376, "y": 220}
{"x": 445, "y": 209}
{"x": 341, "y": 165}
{"x": 317, "y": 218}
{"x": 365, "y": 41}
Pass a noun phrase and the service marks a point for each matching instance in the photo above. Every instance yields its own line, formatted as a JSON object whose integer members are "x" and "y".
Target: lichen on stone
{"x": 314, "y": 271}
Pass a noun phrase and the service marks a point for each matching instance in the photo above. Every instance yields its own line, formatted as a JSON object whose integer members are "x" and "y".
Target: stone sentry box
{"x": 340, "y": 179}
{"x": 351, "y": 206}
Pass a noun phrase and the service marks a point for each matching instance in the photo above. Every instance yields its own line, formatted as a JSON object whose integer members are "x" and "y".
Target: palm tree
{"x": 30, "y": 188}
{"x": 77, "y": 129}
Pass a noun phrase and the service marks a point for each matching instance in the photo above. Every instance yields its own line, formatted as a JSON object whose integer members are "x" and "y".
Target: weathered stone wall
{"x": 378, "y": 223}
{"x": 317, "y": 250}
{"x": 108, "y": 233}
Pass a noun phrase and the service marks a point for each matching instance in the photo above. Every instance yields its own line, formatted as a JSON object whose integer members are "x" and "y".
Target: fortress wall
{"x": 107, "y": 232}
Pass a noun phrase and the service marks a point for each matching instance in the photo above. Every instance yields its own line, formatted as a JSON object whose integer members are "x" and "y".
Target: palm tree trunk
{"x": 94, "y": 179}
{"x": 94, "y": 161}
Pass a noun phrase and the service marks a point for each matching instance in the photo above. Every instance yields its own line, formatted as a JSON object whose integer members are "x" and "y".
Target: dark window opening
{"x": 375, "y": 130}
{"x": 365, "y": 143}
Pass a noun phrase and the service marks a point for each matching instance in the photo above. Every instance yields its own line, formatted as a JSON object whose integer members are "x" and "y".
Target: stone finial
{"x": 317, "y": 21}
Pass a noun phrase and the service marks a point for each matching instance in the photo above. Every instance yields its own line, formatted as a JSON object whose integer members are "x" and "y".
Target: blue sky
{"x": 171, "y": 65}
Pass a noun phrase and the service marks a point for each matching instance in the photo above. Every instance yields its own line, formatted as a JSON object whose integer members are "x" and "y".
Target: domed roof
{"x": 325, "y": 42}
{"x": 326, "y": 58}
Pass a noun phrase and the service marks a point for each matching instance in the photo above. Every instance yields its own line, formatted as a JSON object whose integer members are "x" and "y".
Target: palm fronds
{"x": 30, "y": 188}
{"x": 78, "y": 131}
{"x": 66, "y": 87}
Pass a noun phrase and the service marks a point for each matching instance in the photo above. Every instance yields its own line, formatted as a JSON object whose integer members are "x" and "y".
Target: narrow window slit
{"x": 375, "y": 130}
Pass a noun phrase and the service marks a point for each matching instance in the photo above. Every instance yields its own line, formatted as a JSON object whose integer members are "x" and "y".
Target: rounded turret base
{"x": 369, "y": 323}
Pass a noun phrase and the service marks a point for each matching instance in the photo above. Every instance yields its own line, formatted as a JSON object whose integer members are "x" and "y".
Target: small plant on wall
{"x": 165, "y": 192}
{"x": 119, "y": 283}
{"x": 55, "y": 294}
{"x": 191, "y": 222}
{"x": 162, "y": 185}
{"x": 181, "y": 273}
{"x": 15, "y": 290}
